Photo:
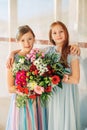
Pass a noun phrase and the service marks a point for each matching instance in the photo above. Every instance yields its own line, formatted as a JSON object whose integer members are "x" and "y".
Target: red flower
{"x": 23, "y": 90}
{"x": 33, "y": 96}
{"x": 36, "y": 72}
{"x": 49, "y": 67}
{"x": 55, "y": 79}
{"x": 18, "y": 82}
{"x": 48, "y": 89}
{"x": 20, "y": 89}
{"x": 26, "y": 90}
{"x": 50, "y": 71}
{"x": 32, "y": 68}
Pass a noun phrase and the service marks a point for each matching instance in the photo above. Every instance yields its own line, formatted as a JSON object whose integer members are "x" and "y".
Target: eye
{"x": 61, "y": 31}
{"x": 22, "y": 40}
{"x": 54, "y": 33}
{"x": 30, "y": 39}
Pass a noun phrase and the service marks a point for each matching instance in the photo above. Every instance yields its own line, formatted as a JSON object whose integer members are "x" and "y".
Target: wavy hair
{"x": 65, "y": 47}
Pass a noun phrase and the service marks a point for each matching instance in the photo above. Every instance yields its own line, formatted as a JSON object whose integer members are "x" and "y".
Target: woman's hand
{"x": 75, "y": 50}
{"x": 10, "y": 60}
{"x": 65, "y": 78}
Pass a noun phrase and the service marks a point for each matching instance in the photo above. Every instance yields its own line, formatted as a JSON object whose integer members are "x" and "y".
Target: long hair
{"x": 22, "y": 30}
{"x": 65, "y": 47}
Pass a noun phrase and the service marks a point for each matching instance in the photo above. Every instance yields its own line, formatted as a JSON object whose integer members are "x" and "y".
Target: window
{"x": 38, "y": 14}
{"x": 4, "y": 18}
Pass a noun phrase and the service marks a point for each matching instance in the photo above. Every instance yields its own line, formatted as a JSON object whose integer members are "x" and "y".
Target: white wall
{"x": 4, "y": 48}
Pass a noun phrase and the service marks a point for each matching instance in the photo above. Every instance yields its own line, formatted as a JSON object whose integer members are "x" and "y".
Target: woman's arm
{"x": 11, "y": 81}
{"x": 75, "y": 75}
{"x": 10, "y": 58}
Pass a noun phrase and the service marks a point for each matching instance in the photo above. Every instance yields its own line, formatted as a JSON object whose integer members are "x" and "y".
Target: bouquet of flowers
{"x": 37, "y": 75}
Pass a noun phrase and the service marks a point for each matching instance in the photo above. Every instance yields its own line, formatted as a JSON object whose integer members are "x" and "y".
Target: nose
{"x": 58, "y": 34}
{"x": 27, "y": 42}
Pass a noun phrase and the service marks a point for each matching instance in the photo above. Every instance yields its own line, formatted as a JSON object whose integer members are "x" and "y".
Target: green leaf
{"x": 21, "y": 100}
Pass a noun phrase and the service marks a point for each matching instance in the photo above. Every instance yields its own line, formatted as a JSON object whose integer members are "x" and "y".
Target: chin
{"x": 27, "y": 49}
{"x": 59, "y": 42}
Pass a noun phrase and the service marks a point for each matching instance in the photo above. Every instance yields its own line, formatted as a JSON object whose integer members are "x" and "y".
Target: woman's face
{"x": 27, "y": 41}
{"x": 58, "y": 35}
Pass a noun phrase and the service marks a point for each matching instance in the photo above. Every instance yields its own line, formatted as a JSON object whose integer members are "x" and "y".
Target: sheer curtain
{"x": 82, "y": 23}
{"x": 73, "y": 14}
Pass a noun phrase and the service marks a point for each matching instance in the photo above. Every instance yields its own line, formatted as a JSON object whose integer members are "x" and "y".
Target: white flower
{"x": 21, "y": 60}
{"x": 38, "y": 61}
{"x": 31, "y": 85}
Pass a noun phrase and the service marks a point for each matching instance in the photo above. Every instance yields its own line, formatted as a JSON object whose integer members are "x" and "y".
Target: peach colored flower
{"x": 38, "y": 89}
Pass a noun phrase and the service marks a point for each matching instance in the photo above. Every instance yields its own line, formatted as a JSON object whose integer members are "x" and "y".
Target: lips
{"x": 58, "y": 38}
{"x": 27, "y": 46}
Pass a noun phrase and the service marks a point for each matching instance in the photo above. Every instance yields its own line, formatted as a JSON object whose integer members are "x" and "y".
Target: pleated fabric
{"x": 63, "y": 107}
{"x": 30, "y": 117}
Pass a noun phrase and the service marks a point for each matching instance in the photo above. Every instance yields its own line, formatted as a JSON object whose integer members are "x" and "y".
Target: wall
{"x": 4, "y": 48}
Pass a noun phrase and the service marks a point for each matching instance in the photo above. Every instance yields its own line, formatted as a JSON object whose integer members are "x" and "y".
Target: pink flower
{"x": 36, "y": 50}
{"x": 29, "y": 56}
{"x": 33, "y": 58}
{"x": 38, "y": 89}
{"x": 32, "y": 51}
{"x": 21, "y": 78}
{"x": 42, "y": 55}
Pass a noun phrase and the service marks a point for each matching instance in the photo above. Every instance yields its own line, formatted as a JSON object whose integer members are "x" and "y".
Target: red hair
{"x": 65, "y": 47}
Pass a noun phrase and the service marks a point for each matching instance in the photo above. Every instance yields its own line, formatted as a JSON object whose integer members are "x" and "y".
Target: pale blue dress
{"x": 63, "y": 107}
{"x": 30, "y": 117}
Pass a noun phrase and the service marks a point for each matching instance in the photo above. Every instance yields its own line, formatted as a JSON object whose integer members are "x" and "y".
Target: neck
{"x": 58, "y": 48}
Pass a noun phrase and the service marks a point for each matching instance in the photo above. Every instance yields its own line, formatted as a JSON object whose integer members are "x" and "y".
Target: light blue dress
{"x": 63, "y": 107}
{"x": 30, "y": 117}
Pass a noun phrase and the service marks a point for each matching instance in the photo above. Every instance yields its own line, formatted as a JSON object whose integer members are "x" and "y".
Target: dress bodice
{"x": 70, "y": 57}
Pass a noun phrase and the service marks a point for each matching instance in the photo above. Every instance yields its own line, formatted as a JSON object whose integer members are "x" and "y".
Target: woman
{"x": 31, "y": 116}
{"x": 63, "y": 107}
